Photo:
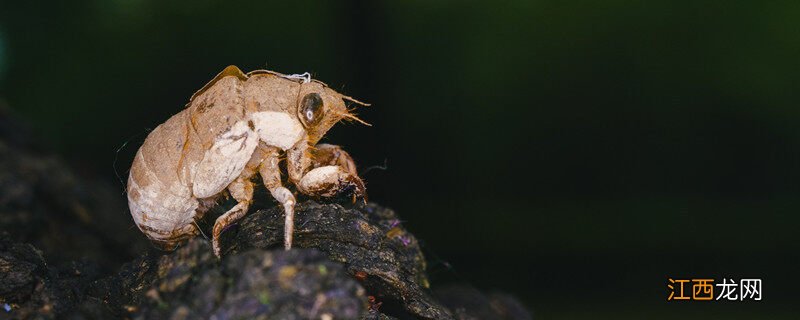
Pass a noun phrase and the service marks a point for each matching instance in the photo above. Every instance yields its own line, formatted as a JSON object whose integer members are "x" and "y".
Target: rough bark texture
{"x": 191, "y": 283}
{"x": 63, "y": 243}
{"x": 369, "y": 240}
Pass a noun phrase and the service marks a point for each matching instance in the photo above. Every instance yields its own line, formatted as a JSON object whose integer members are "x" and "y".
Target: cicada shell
{"x": 234, "y": 129}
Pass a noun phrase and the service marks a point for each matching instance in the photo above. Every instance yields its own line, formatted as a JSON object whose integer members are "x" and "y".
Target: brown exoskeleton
{"x": 234, "y": 127}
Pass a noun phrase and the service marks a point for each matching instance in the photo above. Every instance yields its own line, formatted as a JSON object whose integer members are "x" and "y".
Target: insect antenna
{"x": 348, "y": 98}
{"x": 353, "y": 117}
{"x": 349, "y": 113}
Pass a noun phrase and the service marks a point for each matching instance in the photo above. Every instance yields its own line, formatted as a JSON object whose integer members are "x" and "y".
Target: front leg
{"x": 333, "y": 155}
{"x": 323, "y": 172}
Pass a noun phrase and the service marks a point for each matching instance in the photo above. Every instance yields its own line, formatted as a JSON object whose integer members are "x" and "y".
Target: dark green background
{"x": 576, "y": 154}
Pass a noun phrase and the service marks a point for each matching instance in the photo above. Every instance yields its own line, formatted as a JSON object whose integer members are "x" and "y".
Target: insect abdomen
{"x": 160, "y": 201}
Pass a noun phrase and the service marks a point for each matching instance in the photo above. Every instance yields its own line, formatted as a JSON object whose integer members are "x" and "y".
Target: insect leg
{"x": 324, "y": 179}
{"x": 333, "y": 155}
{"x": 241, "y": 190}
{"x": 271, "y": 175}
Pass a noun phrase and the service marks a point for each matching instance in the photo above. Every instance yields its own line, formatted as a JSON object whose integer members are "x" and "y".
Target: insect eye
{"x": 311, "y": 108}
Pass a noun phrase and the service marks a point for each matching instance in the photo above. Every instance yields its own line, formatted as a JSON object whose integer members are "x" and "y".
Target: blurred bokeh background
{"x": 574, "y": 154}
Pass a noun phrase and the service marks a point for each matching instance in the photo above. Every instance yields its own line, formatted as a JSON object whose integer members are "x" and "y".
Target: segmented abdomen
{"x": 159, "y": 197}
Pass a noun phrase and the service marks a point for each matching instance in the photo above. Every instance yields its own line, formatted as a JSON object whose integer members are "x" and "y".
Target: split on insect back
{"x": 234, "y": 130}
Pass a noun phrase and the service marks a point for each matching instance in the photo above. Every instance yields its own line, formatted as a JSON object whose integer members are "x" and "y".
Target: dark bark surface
{"x": 64, "y": 244}
{"x": 368, "y": 239}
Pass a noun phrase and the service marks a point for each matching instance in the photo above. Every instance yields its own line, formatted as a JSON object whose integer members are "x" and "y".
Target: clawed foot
{"x": 354, "y": 187}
